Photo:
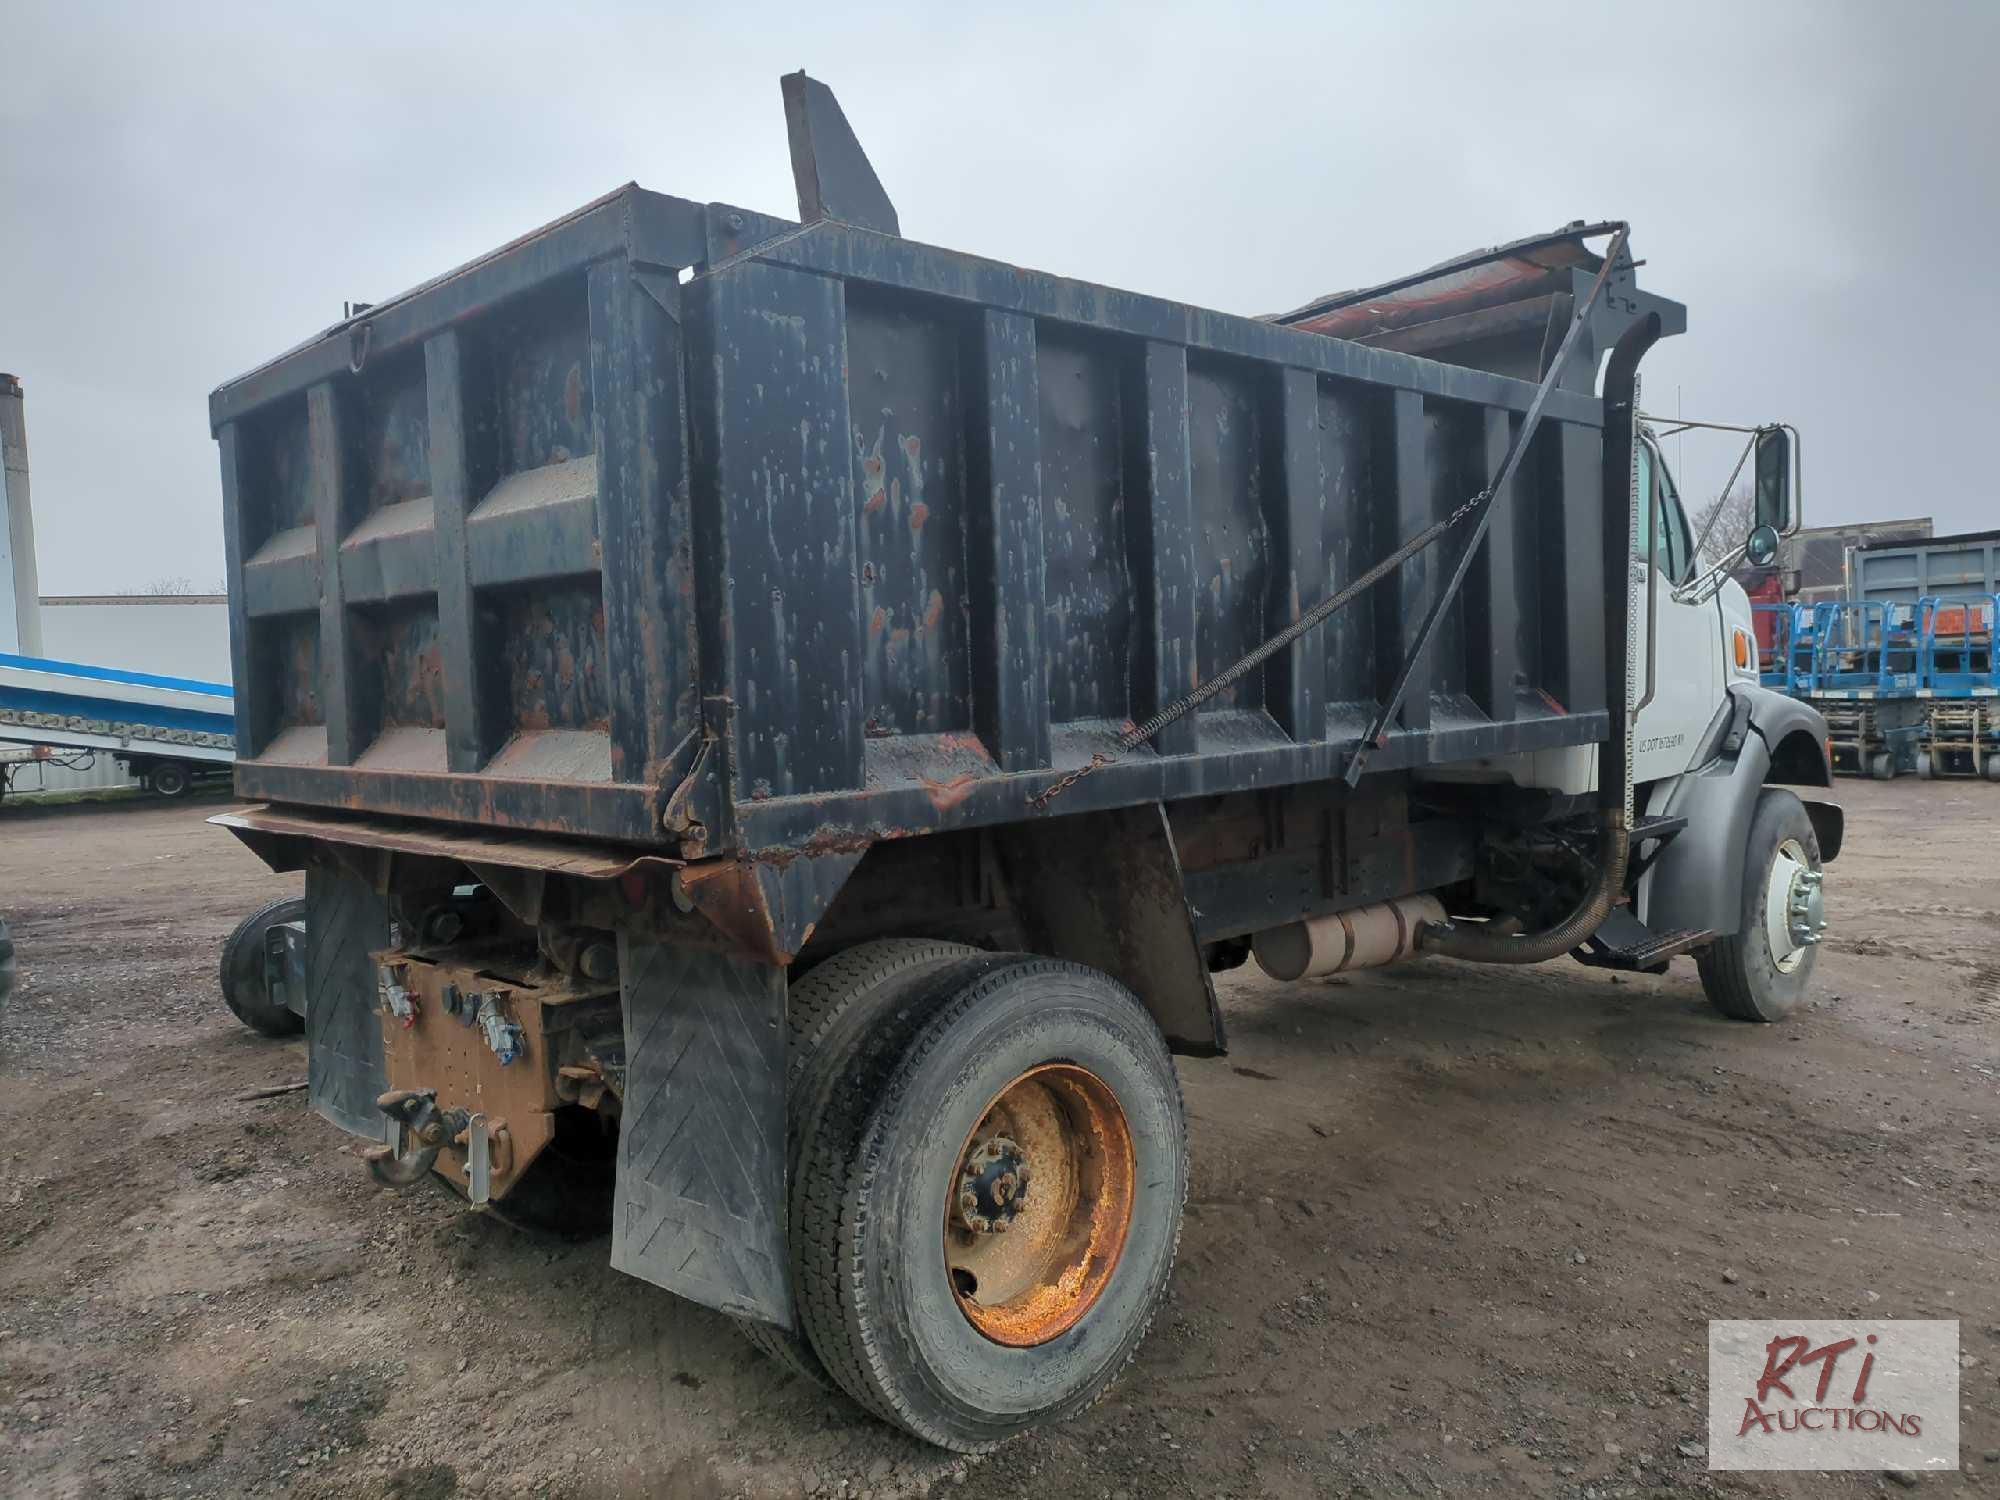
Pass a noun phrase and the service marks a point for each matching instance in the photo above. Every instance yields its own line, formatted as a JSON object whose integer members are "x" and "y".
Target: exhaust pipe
{"x": 1614, "y": 773}
{"x": 1365, "y": 938}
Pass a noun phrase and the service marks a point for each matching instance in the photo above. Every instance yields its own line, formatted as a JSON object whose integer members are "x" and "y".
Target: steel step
{"x": 1624, "y": 942}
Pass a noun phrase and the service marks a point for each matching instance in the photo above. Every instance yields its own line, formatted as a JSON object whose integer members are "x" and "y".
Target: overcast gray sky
{"x": 190, "y": 189}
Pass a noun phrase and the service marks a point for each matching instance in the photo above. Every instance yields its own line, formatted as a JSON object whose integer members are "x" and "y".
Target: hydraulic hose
{"x": 1614, "y": 791}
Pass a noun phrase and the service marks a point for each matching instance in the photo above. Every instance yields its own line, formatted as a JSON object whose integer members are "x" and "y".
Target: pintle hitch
{"x": 422, "y": 1130}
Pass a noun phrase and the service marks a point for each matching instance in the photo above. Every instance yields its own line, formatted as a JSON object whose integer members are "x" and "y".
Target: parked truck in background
{"x": 781, "y": 723}
{"x": 168, "y": 733}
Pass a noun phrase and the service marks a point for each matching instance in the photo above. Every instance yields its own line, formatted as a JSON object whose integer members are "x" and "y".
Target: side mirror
{"x": 1774, "y": 480}
{"x": 1762, "y": 548}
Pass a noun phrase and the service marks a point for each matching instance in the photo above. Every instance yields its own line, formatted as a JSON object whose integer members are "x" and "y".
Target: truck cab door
{"x": 1685, "y": 638}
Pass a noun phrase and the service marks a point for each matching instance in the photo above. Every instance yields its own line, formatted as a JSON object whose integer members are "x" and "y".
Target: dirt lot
{"x": 1451, "y": 1230}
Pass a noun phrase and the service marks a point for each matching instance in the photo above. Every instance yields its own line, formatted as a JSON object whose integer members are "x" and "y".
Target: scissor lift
{"x": 1961, "y": 687}
{"x": 1859, "y": 662}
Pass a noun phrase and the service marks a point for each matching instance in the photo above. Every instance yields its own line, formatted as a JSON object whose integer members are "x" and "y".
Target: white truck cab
{"x": 1737, "y": 859}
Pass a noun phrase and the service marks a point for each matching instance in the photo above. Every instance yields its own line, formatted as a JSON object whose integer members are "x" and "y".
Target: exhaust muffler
{"x": 1365, "y": 938}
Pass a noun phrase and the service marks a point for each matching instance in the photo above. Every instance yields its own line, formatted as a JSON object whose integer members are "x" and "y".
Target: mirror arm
{"x": 1722, "y": 495}
{"x": 1705, "y": 586}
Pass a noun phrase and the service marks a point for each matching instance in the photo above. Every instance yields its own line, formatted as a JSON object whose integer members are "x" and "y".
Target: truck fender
{"x": 1697, "y": 881}
{"x": 1795, "y": 735}
{"x": 1105, "y": 889}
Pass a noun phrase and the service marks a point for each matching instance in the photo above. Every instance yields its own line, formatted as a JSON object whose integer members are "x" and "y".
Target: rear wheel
{"x": 1760, "y": 972}
{"x": 1924, "y": 769}
{"x": 1882, "y": 766}
{"x": 244, "y": 988}
{"x": 990, "y": 1204}
{"x": 827, "y": 1015}
{"x": 169, "y": 779}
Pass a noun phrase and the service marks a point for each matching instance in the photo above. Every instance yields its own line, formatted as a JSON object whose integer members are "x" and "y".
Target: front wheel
{"x": 991, "y": 1203}
{"x": 1760, "y": 972}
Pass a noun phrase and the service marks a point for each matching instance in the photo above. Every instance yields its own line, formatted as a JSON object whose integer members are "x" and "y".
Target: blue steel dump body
{"x": 1904, "y": 572}
{"x": 673, "y": 524}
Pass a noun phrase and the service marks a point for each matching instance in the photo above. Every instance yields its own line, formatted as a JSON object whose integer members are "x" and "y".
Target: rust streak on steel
{"x": 728, "y": 893}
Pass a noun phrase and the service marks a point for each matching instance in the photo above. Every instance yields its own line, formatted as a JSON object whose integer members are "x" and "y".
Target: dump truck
{"x": 782, "y": 723}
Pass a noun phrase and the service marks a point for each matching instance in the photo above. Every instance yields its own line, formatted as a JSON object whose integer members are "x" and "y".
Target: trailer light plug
{"x": 394, "y": 996}
{"x": 505, "y": 1038}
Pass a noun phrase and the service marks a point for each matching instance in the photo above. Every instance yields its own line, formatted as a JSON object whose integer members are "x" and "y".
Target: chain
{"x": 1043, "y": 798}
{"x": 1324, "y": 610}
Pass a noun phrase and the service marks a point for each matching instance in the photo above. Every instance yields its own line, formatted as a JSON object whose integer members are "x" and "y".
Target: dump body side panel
{"x": 1907, "y": 572}
{"x": 860, "y": 538}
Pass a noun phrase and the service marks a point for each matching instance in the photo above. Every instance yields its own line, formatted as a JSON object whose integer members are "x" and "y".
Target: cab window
{"x": 1661, "y": 520}
{"x": 1674, "y": 539}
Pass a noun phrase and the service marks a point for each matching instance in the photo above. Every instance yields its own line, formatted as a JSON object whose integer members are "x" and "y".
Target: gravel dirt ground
{"x": 1451, "y": 1230}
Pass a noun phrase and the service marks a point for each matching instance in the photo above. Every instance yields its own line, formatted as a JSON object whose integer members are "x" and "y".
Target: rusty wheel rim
{"x": 1039, "y": 1205}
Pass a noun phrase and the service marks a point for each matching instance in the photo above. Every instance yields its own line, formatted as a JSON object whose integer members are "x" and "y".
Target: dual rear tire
{"x": 988, "y": 1168}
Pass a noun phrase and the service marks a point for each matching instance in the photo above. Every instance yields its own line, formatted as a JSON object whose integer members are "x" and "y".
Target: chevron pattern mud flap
{"x": 701, "y": 1146}
{"x": 345, "y": 921}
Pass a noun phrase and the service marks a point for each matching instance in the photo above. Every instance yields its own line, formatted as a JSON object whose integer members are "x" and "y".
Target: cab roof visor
{"x": 1502, "y": 309}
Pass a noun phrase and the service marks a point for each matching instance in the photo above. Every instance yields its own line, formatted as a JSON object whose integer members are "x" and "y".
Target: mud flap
{"x": 701, "y": 1147}
{"x": 345, "y": 922}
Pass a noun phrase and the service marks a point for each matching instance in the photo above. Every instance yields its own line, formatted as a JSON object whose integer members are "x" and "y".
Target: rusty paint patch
{"x": 1065, "y": 1197}
{"x": 966, "y": 744}
{"x": 945, "y": 795}
{"x": 873, "y": 495}
{"x": 553, "y": 642}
